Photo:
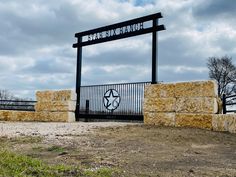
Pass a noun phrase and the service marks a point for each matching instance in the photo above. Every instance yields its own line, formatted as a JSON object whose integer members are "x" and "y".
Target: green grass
{"x": 19, "y": 140}
{"x": 12, "y": 164}
{"x": 56, "y": 148}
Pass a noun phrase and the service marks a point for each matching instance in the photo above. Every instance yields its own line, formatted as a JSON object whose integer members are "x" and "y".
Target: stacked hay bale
{"x": 224, "y": 122}
{"x": 56, "y": 106}
{"x": 196, "y": 104}
{"x": 9, "y": 115}
{"x": 187, "y": 104}
{"x": 159, "y": 104}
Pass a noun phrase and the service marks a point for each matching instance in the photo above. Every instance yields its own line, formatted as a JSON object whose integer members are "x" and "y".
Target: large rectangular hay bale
{"x": 162, "y": 119}
{"x": 196, "y": 89}
{"x": 159, "y": 105}
{"x": 61, "y": 95}
{"x": 55, "y": 106}
{"x": 207, "y": 105}
{"x": 224, "y": 122}
{"x": 159, "y": 91}
{"x": 11, "y": 115}
{"x": 203, "y": 121}
{"x": 55, "y": 116}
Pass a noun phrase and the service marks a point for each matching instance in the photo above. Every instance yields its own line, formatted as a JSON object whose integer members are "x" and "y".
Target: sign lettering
{"x": 115, "y": 32}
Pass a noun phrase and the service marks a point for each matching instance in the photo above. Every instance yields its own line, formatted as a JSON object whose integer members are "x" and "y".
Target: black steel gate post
{"x": 154, "y": 52}
{"x": 78, "y": 78}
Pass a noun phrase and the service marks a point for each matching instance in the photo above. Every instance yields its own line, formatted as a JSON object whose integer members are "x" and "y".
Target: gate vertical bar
{"x": 154, "y": 53}
{"x": 78, "y": 78}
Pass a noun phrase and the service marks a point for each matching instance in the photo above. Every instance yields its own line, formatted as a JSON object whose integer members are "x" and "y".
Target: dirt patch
{"x": 151, "y": 151}
{"x": 140, "y": 150}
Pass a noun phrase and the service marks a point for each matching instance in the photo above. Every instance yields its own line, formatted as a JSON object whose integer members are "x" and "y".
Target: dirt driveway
{"x": 135, "y": 150}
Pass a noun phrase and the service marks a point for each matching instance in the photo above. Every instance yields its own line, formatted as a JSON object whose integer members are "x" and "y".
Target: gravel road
{"x": 51, "y": 130}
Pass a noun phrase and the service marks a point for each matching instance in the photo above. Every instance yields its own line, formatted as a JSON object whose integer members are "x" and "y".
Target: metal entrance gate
{"x": 117, "y": 101}
{"x": 112, "y": 101}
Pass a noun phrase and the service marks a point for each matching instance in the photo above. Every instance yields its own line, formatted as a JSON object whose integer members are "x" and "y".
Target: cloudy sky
{"x": 36, "y": 38}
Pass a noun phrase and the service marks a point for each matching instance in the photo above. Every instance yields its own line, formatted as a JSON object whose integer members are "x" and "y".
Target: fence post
{"x": 224, "y": 103}
{"x": 87, "y": 107}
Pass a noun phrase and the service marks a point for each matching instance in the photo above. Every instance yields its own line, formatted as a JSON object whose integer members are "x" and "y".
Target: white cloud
{"x": 184, "y": 69}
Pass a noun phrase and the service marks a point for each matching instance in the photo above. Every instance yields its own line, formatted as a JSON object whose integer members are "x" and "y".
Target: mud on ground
{"x": 138, "y": 150}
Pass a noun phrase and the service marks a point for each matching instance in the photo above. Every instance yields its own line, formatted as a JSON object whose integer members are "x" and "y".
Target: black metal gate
{"x": 115, "y": 101}
{"x": 112, "y": 101}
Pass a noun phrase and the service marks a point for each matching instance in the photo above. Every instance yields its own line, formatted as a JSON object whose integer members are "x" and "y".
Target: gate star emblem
{"x": 111, "y": 99}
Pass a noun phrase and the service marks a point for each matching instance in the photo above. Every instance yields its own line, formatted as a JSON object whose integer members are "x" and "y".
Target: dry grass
{"x": 137, "y": 151}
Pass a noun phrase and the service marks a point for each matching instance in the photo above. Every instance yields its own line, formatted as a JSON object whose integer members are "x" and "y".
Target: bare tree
{"x": 6, "y": 95}
{"x": 224, "y": 72}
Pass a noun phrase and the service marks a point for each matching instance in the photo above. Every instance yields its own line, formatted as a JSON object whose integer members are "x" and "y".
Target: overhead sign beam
{"x": 117, "y": 31}
{"x": 114, "y": 35}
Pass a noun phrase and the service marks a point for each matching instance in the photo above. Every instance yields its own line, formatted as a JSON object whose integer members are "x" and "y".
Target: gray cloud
{"x": 54, "y": 66}
{"x": 133, "y": 52}
{"x": 36, "y": 40}
{"x": 215, "y": 9}
{"x": 116, "y": 74}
